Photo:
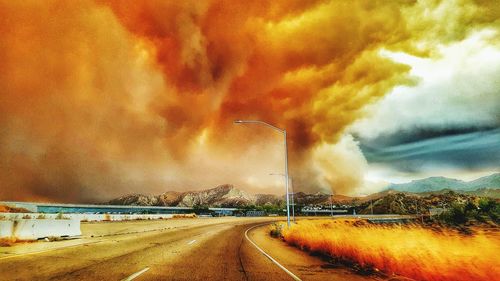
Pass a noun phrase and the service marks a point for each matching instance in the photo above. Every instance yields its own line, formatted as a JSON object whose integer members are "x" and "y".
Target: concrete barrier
{"x": 119, "y": 217}
{"x": 6, "y": 228}
{"x": 32, "y": 226}
{"x": 89, "y": 217}
{"x": 32, "y": 229}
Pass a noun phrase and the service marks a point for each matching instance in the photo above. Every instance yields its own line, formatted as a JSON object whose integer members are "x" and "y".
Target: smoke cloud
{"x": 101, "y": 98}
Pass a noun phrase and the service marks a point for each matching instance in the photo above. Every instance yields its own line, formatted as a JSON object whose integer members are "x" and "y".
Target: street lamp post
{"x": 331, "y": 205}
{"x": 293, "y": 202}
{"x": 283, "y": 131}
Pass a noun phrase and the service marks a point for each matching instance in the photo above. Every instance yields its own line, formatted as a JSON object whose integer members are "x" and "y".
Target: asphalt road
{"x": 216, "y": 251}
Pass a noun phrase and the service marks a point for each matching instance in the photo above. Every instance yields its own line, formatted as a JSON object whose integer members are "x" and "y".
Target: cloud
{"x": 449, "y": 121}
{"x": 101, "y": 98}
{"x": 471, "y": 151}
{"x": 459, "y": 89}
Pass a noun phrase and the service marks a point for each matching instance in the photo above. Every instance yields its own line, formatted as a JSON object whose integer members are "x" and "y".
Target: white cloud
{"x": 458, "y": 88}
{"x": 461, "y": 88}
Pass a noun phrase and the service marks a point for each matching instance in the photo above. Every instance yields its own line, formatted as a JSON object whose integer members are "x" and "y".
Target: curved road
{"x": 216, "y": 251}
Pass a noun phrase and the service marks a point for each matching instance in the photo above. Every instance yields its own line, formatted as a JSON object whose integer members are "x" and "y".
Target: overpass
{"x": 54, "y": 208}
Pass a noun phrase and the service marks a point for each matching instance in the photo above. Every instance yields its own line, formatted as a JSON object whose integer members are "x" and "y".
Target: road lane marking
{"x": 135, "y": 275}
{"x": 191, "y": 242}
{"x": 267, "y": 255}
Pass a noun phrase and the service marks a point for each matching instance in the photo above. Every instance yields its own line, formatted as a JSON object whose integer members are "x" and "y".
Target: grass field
{"x": 411, "y": 251}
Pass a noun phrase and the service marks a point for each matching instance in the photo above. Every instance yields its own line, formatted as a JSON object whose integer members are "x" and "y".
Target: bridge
{"x": 54, "y": 208}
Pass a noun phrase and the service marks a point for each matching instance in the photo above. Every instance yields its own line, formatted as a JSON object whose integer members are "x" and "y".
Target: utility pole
{"x": 331, "y": 205}
{"x": 286, "y": 178}
{"x": 283, "y": 131}
{"x": 293, "y": 202}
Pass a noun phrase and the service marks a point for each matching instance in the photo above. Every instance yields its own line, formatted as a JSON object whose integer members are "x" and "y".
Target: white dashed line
{"x": 191, "y": 242}
{"x": 135, "y": 275}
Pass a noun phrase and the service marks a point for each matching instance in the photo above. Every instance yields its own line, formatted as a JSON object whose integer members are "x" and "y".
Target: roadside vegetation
{"x": 276, "y": 230}
{"x": 411, "y": 204}
{"x": 7, "y": 242}
{"x": 8, "y": 209}
{"x": 408, "y": 250}
{"x": 482, "y": 211}
{"x": 268, "y": 209}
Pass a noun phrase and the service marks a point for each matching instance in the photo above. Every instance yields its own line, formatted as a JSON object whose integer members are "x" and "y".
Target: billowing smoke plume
{"x": 101, "y": 98}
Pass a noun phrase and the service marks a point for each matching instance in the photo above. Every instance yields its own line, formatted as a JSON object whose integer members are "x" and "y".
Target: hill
{"x": 488, "y": 182}
{"x": 226, "y": 196}
{"x": 485, "y": 192}
{"x": 408, "y": 203}
{"x": 220, "y": 196}
{"x": 398, "y": 198}
{"x": 440, "y": 183}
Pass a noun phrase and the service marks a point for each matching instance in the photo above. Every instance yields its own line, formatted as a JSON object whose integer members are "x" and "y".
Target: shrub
{"x": 486, "y": 205}
{"x": 455, "y": 214}
{"x": 276, "y": 230}
{"x": 491, "y": 208}
{"x": 60, "y": 216}
{"x": 7, "y": 242}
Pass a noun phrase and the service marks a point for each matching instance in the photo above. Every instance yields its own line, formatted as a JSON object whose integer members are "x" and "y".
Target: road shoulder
{"x": 302, "y": 264}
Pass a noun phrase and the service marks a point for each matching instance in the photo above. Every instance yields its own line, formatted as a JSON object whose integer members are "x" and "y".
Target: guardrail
{"x": 33, "y": 229}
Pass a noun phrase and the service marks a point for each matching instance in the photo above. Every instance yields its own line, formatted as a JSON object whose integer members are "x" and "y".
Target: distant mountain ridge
{"x": 439, "y": 183}
{"x": 224, "y": 196}
{"x": 228, "y": 196}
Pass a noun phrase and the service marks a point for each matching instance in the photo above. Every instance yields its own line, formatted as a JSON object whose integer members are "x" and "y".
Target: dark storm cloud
{"x": 464, "y": 148}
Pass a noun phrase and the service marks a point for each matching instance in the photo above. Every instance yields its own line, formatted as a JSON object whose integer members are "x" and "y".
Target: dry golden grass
{"x": 7, "y": 242}
{"x": 7, "y": 209}
{"x": 413, "y": 252}
{"x": 184, "y": 216}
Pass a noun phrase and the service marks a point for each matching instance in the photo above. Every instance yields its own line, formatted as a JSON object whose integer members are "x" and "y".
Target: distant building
{"x": 322, "y": 212}
{"x": 223, "y": 211}
{"x": 255, "y": 213}
{"x": 54, "y": 208}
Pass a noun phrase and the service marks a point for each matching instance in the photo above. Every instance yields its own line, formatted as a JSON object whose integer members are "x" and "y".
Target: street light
{"x": 293, "y": 204}
{"x": 331, "y": 205}
{"x": 291, "y": 193}
{"x": 283, "y": 131}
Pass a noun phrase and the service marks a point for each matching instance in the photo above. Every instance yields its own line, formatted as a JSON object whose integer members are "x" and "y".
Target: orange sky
{"x": 102, "y": 98}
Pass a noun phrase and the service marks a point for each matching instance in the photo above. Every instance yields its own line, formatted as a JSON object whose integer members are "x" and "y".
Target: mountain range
{"x": 224, "y": 196}
{"x": 228, "y": 196}
{"x": 439, "y": 183}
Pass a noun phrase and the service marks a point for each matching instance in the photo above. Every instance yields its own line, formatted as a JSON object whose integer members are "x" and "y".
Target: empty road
{"x": 214, "y": 249}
